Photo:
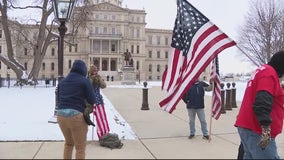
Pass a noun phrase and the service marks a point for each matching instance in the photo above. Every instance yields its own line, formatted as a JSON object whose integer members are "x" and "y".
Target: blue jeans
{"x": 201, "y": 116}
{"x": 252, "y": 150}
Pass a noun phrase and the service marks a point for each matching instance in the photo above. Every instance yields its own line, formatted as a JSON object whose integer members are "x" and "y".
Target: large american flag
{"x": 195, "y": 43}
{"x": 216, "y": 94}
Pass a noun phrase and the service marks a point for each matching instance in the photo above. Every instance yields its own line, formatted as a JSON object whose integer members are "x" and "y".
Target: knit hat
{"x": 277, "y": 62}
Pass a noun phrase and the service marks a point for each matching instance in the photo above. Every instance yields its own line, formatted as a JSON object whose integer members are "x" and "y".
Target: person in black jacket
{"x": 73, "y": 92}
{"x": 194, "y": 99}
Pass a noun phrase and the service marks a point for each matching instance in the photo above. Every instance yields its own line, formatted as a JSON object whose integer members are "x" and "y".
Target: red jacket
{"x": 265, "y": 79}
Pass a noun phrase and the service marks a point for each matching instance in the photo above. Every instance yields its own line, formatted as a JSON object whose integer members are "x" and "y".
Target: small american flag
{"x": 216, "y": 94}
{"x": 196, "y": 42}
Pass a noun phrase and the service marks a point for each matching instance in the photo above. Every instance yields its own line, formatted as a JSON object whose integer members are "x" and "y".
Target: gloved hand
{"x": 265, "y": 137}
{"x": 87, "y": 111}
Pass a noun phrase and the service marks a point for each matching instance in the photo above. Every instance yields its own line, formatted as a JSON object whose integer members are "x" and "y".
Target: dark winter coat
{"x": 194, "y": 97}
{"x": 75, "y": 89}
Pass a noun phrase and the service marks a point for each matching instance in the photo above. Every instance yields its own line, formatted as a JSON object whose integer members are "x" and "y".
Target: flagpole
{"x": 210, "y": 126}
{"x": 247, "y": 55}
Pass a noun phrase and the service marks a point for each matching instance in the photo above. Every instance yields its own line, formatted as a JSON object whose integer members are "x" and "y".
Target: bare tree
{"x": 19, "y": 34}
{"x": 263, "y": 32}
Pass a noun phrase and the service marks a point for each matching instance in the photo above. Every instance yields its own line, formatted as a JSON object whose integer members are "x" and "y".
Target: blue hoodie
{"x": 75, "y": 89}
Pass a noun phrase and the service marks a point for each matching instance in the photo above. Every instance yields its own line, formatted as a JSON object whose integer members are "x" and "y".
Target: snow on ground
{"x": 25, "y": 113}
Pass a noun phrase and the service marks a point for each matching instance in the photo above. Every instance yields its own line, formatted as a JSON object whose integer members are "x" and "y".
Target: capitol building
{"x": 111, "y": 30}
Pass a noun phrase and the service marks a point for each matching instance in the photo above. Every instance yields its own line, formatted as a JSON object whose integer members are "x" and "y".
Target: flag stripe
{"x": 216, "y": 94}
{"x": 198, "y": 62}
{"x": 173, "y": 68}
{"x": 196, "y": 42}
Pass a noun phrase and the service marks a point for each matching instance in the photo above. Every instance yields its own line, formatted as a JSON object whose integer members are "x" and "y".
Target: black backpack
{"x": 111, "y": 140}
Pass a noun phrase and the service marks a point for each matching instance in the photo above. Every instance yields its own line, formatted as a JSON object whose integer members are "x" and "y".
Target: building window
{"x": 166, "y": 54}
{"x": 158, "y": 40}
{"x": 0, "y": 33}
{"x": 69, "y": 64}
{"x": 158, "y": 77}
{"x": 96, "y": 46}
{"x": 97, "y": 30}
{"x": 150, "y": 67}
{"x": 52, "y": 66}
{"x": 150, "y": 54}
{"x": 158, "y": 54}
{"x": 158, "y": 68}
{"x": 76, "y": 47}
{"x": 113, "y": 17}
{"x": 112, "y": 30}
{"x": 105, "y": 46}
{"x": 105, "y": 30}
{"x": 97, "y": 16}
{"x": 149, "y": 39}
{"x": 43, "y": 66}
{"x": 113, "y": 65}
{"x": 132, "y": 49}
{"x": 138, "y": 33}
{"x": 104, "y": 65}
{"x": 138, "y": 49}
{"x": 105, "y": 17}
{"x": 113, "y": 47}
{"x": 166, "y": 41}
{"x": 25, "y": 51}
{"x": 132, "y": 32}
{"x": 52, "y": 51}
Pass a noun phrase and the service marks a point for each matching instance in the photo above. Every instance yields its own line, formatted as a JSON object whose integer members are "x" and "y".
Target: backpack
{"x": 110, "y": 140}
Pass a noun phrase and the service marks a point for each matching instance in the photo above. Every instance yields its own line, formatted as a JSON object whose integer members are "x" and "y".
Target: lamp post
{"x": 62, "y": 12}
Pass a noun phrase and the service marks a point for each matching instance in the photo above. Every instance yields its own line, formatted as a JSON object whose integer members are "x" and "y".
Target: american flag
{"x": 216, "y": 94}
{"x": 195, "y": 43}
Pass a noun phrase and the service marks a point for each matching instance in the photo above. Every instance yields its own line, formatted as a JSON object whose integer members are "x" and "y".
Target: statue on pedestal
{"x": 127, "y": 58}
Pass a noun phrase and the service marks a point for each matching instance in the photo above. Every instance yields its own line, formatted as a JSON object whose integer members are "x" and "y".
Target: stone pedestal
{"x": 128, "y": 75}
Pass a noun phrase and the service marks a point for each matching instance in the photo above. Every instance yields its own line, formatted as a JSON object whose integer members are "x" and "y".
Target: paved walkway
{"x": 160, "y": 135}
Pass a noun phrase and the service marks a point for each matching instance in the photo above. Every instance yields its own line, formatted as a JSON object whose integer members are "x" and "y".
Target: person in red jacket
{"x": 260, "y": 117}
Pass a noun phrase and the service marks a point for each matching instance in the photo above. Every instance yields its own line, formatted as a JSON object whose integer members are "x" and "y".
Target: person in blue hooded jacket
{"x": 73, "y": 92}
{"x": 194, "y": 99}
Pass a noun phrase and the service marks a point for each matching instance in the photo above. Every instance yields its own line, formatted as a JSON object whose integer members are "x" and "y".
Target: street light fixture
{"x": 62, "y": 11}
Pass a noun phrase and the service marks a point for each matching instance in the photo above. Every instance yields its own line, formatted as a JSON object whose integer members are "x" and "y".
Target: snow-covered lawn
{"x": 25, "y": 113}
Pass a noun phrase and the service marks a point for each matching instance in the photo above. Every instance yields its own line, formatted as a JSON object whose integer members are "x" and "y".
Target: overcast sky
{"x": 228, "y": 15}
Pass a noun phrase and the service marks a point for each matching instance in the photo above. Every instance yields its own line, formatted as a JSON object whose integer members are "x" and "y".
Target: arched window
{"x": 113, "y": 65}
{"x": 104, "y": 65}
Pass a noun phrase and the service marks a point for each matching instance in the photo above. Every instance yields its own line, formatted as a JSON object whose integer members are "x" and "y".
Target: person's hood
{"x": 79, "y": 66}
{"x": 277, "y": 62}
